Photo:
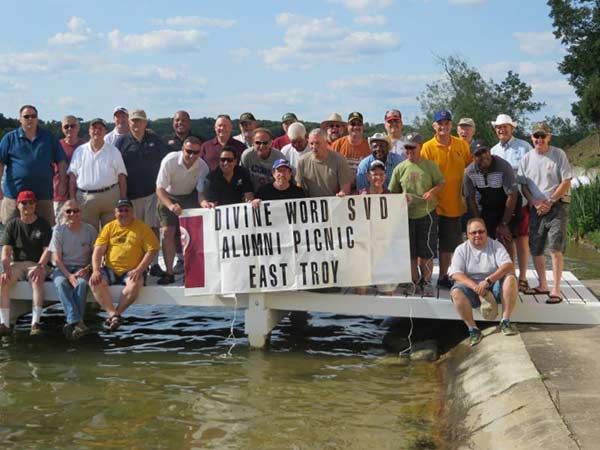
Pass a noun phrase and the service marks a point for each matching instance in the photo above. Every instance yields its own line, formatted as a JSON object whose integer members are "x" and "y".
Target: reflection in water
{"x": 162, "y": 382}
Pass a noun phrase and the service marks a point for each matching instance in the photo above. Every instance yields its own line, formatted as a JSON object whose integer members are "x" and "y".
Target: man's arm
{"x": 99, "y": 252}
{"x": 62, "y": 177}
{"x": 344, "y": 189}
{"x": 72, "y": 185}
{"x": 40, "y": 268}
{"x": 559, "y": 192}
{"x": 501, "y": 271}
{"x": 248, "y": 196}
{"x": 1, "y": 176}
{"x": 472, "y": 205}
{"x": 122, "y": 186}
{"x": 164, "y": 198}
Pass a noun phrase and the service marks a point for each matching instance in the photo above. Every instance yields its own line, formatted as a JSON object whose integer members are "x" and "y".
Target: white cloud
{"x": 383, "y": 85}
{"x": 78, "y": 33}
{"x": 466, "y": 2}
{"x": 194, "y": 21}
{"x": 537, "y": 43}
{"x": 364, "y": 5}
{"x": 67, "y": 102}
{"x": 33, "y": 63}
{"x": 309, "y": 41}
{"x": 8, "y": 85}
{"x": 159, "y": 40}
{"x": 378, "y": 20}
{"x": 240, "y": 55}
{"x": 525, "y": 69}
{"x": 552, "y": 87}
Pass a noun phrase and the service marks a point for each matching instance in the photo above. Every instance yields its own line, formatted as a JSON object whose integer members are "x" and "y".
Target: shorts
{"x": 22, "y": 269}
{"x": 550, "y": 228}
{"x": 423, "y": 235}
{"x": 113, "y": 279}
{"x": 473, "y": 297}
{"x": 523, "y": 224}
{"x": 145, "y": 210}
{"x": 450, "y": 234}
{"x": 166, "y": 217}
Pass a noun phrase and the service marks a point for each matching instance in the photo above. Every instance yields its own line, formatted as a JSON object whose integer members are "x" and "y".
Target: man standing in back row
{"x": 452, "y": 155}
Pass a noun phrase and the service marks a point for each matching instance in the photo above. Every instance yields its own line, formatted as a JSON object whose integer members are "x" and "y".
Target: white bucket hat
{"x": 504, "y": 119}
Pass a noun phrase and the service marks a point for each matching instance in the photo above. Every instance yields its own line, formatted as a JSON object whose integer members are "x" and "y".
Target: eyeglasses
{"x": 261, "y": 142}
{"x": 393, "y": 121}
{"x": 540, "y": 135}
{"x": 356, "y": 124}
{"x": 69, "y": 126}
{"x": 192, "y": 152}
{"x": 71, "y": 211}
{"x": 27, "y": 202}
{"x": 477, "y": 232}
{"x": 30, "y": 116}
{"x": 226, "y": 160}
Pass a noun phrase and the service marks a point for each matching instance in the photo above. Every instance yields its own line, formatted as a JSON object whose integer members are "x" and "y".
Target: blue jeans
{"x": 496, "y": 290}
{"x": 72, "y": 299}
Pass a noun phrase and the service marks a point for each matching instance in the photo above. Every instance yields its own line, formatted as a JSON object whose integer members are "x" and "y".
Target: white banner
{"x": 358, "y": 240}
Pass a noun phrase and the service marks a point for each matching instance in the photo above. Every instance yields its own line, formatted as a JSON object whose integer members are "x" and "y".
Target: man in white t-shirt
{"x": 483, "y": 275}
{"x": 298, "y": 145}
{"x": 97, "y": 177}
{"x": 121, "y": 118}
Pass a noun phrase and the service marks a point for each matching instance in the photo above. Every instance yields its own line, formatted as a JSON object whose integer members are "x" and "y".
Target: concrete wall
{"x": 496, "y": 400}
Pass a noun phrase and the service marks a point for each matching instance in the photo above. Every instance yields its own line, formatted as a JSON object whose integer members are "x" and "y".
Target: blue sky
{"x": 268, "y": 57}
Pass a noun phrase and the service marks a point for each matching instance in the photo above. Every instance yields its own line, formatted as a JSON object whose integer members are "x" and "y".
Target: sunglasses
{"x": 410, "y": 147}
{"x": 356, "y": 124}
{"x": 540, "y": 135}
{"x": 261, "y": 142}
{"x": 27, "y": 202}
{"x": 71, "y": 211}
{"x": 393, "y": 121}
{"x": 477, "y": 232}
{"x": 30, "y": 116}
{"x": 192, "y": 152}
{"x": 124, "y": 209}
{"x": 69, "y": 126}
{"x": 227, "y": 160}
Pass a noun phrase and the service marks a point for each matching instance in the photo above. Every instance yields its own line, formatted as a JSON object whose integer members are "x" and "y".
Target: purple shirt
{"x": 210, "y": 151}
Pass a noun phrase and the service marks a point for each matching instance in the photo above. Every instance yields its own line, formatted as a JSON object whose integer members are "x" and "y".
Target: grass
{"x": 586, "y": 153}
{"x": 584, "y": 214}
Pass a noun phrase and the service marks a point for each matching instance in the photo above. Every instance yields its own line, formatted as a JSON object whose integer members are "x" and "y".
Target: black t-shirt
{"x": 175, "y": 143}
{"x": 218, "y": 189}
{"x": 142, "y": 160}
{"x": 269, "y": 192}
{"x": 27, "y": 240}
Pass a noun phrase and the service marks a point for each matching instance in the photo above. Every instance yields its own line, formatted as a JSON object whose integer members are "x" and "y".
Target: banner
{"x": 357, "y": 240}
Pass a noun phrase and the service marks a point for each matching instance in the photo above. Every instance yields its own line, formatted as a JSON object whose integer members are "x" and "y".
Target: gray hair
{"x": 296, "y": 131}
{"x": 318, "y": 132}
{"x": 70, "y": 117}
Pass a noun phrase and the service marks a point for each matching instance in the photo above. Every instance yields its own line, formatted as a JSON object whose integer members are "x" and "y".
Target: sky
{"x": 310, "y": 57}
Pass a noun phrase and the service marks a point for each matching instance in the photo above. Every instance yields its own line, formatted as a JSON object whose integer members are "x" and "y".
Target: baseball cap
{"x": 288, "y": 116}
{"x": 98, "y": 120}
{"x": 247, "y": 117}
{"x": 442, "y": 115}
{"x": 355, "y": 116}
{"x": 124, "y": 202}
{"x": 412, "y": 139}
{"x": 478, "y": 146}
{"x": 467, "y": 121}
{"x": 281, "y": 163}
{"x": 393, "y": 114}
{"x": 138, "y": 114}
{"x": 26, "y": 196}
{"x": 540, "y": 127}
{"x": 120, "y": 109}
{"x": 376, "y": 164}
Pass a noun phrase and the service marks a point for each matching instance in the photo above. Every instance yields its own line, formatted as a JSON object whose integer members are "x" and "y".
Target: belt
{"x": 96, "y": 191}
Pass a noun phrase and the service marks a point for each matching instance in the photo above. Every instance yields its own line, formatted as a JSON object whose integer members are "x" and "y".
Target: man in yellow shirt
{"x": 452, "y": 155}
{"x": 128, "y": 246}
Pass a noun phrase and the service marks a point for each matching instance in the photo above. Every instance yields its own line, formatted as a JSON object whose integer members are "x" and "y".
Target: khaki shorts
{"x": 44, "y": 209}
{"x": 145, "y": 210}
{"x": 21, "y": 270}
{"x": 166, "y": 217}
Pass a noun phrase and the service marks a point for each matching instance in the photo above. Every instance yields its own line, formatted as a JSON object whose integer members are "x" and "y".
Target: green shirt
{"x": 417, "y": 178}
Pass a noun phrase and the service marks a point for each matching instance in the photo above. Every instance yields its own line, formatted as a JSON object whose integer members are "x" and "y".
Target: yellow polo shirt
{"x": 126, "y": 245}
{"x": 452, "y": 160}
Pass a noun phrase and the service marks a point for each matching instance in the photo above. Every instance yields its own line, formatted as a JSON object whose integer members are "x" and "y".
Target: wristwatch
{"x": 489, "y": 282}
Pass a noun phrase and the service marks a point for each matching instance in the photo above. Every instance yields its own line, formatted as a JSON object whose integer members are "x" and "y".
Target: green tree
{"x": 577, "y": 25}
{"x": 589, "y": 105}
{"x": 466, "y": 93}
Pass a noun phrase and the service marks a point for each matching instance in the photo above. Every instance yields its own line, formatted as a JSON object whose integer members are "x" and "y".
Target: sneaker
{"x": 79, "y": 330}
{"x": 156, "y": 271}
{"x": 178, "y": 268}
{"x": 444, "y": 282}
{"x": 507, "y": 328}
{"x": 475, "y": 336}
{"x": 167, "y": 278}
{"x": 4, "y": 330}
{"x": 427, "y": 289}
{"x": 68, "y": 331}
{"x": 407, "y": 289}
{"x": 489, "y": 306}
{"x": 36, "y": 329}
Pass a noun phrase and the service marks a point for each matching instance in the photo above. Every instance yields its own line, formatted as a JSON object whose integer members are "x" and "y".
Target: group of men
{"x": 111, "y": 195}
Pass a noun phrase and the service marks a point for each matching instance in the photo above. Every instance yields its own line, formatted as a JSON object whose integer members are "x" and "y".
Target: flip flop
{"x": 524, "y": 286}
{"x": 554, "y": 299}
{"x": 536, "y": 291}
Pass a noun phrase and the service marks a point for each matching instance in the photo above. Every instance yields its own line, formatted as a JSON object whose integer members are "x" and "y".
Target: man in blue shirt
{"x": 380, "y": 149}
{"x": 28, "y": 154}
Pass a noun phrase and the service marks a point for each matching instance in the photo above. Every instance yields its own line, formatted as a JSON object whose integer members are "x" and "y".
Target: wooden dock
{"x": 264, "y": 310}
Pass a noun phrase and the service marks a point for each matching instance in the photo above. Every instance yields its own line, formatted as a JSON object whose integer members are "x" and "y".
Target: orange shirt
{"x": 452, "y": 161}
{"x": 353, "y": 153}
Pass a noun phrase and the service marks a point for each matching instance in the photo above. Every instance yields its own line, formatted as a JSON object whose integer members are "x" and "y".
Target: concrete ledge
{"x": 496, "y": 399}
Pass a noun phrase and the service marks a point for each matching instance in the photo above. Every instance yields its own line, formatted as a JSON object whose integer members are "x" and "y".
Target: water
{"x": 164, "y": 382}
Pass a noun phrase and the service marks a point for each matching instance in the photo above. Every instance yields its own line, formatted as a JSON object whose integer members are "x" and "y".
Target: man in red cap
{"x": 25, "y": 256}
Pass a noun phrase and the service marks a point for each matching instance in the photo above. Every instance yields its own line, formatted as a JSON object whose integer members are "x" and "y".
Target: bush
{"x": 584, "y": 214}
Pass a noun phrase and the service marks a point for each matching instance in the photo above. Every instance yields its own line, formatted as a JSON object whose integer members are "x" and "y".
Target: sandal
{"x": 536, "y": 291}
{"x": 523, "y": 286}
{"x": 113, "y": 322}
{"x": 554, "y": 299}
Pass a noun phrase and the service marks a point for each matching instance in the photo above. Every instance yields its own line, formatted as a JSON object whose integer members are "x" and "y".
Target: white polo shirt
{"x": 175, "y": 178}
{"x": 96, "y": 170}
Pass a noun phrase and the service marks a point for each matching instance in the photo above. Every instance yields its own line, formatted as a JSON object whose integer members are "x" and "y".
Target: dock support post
{"x": 260, "y": 319}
